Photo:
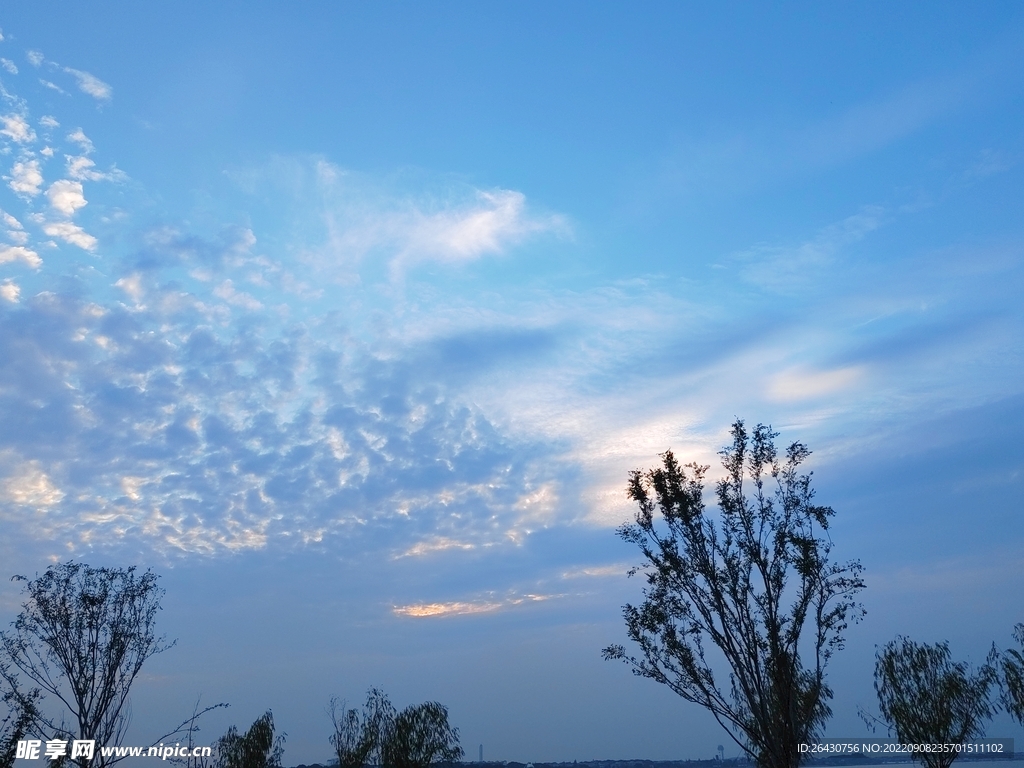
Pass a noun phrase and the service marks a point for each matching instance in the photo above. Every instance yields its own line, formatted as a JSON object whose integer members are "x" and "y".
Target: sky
{"x": 350, "y": 321}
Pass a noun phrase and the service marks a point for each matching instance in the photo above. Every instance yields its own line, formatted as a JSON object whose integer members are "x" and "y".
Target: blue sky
{"x": 350, "y": 321}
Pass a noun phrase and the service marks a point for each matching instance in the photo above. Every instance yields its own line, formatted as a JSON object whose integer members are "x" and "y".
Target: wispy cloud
{"x": 466, "y": 608}
{"x": 91, "y": 85}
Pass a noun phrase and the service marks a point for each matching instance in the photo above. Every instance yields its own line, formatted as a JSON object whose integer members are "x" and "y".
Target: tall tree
{"x": 927, "y": 698}
{"x": 82, "y": 637}
{"x": 1011, "y": 681}
{"x": 420, "y": 737}
{"x": 256, "y": 748}
{"x": 748, "y": 580}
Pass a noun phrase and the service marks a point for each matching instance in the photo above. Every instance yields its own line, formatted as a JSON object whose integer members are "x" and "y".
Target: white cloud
{"x": 48, "y": 121}
{"x": 9, "y": 291}
{"x": 9, "y": 65}
{"x": 81, "y": 168}
{"x": 801, "y": 384}
{"x": 66, "y": 196}
{"x": 71, "y": 233}
{"x": 17, "y": 129}
{"x": 10, "y": 221}
{"x": 464, "y": 608}
{"x": 52, "y": 86}
{"x": 132, "y": 285}
{"x": 783, "y": 268}
{"x": 90, "y": 84}
{"x": 26, "y": 178}
{"x": 20, "y": 253}
{"x": 35, "y": 58}
{"x": 488, "y": 225}
{"x": 434, "y": 544}
{"x": 226, "y": 291}
{"x": 32, "y": 487}
{"x": 78, "y": 136}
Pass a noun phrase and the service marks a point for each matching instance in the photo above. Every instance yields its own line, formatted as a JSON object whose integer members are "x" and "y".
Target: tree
{"x": 21, "y": 712}
{"x": 416, "y": 737}
{"x": 256, "y": 749}
{"x": 421, "y": 736}
{"x": 1011, "y": 666}
{"x": 747, "y": 581}
{"x": 82, "y": 637}
{"x": 927, "y": 698}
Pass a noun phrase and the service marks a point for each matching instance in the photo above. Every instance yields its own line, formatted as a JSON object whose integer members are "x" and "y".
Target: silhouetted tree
{"x": 358, "y": 735}
{"x": 927, "y": 698}
{"x": 21, "y": 713}
{"x": 747, "y": 581}
{"x": 82, "y": 637}
{"x": 416, "y": 737}
{"x": 1011, "y": 681}
{"x": 421, "y": 736}
{"x": 257, "y": 748}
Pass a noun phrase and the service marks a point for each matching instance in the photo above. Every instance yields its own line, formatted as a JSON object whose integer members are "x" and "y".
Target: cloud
{"x": 78, "y": 136}
{"x": 35, "y": 58}
{"x": 47, "y": 121}
{"x": 9, "y": 65}
{"x": 797, "y": 384}
{"x": 9, "y": 291}
{"x": 618, "y": 570}
{"x": 26, "y": 178}
{"x": 435, "y": 544}
{"x": 10, "y": 253}
{"x": 464, "y": 608}
{"x": 90, "y": 84}
{"x": 455, "y": 227}
{"x": 781, "y": 268}
{"x": 488, "y": 225}
{"x": 66, "y": 196}
{"x": 31, "y": 487}
{"x": 17, "y": 129}
{"x": 226, "y": 291}
{"x": 52, "y": 86}
{"x": 70, "y": 233}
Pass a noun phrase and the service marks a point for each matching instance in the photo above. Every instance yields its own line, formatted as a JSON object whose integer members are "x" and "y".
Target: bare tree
{"x": 927, "y": 698}
{"x": 82, "y": 637}
{"x": 747, "y": 581}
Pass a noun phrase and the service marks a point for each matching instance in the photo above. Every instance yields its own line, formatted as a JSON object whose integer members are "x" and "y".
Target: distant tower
{"x": 721, "y": 752}
{"x": 481, "y": 753}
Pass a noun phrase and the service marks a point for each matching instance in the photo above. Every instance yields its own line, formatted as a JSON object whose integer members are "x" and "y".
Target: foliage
{"x": 747, "y": 583}
{"x": 416, "y": 737}
{"x": 1011, "y": 665}
{"x": 256, "y": 749}
{"x": 82, "y": 636}
{"x": 927, "y": 698}
{"x": 15, "y": 726}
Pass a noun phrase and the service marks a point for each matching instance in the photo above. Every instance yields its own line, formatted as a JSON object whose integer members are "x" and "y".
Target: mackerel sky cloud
{"x": 351, "y": 324}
